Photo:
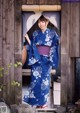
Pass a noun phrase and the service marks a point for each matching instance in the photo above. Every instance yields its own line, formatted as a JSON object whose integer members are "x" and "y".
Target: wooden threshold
{"x": 27, "y": 72}
{"x": 46, "y": 110}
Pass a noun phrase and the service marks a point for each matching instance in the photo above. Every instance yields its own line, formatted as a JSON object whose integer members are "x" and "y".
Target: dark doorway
{"x": 77, "y": 82}
{"x": 30, "y": 24}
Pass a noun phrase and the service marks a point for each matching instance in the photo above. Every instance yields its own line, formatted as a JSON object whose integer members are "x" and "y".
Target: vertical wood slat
{"x": 4, "y": 46}
{"x": 74, "y": 49}
{"x": 8, "y": 49}
{"x": 31, "y": 2}
{"x": 52, "y": 2}
{"x": 10, "y": 34}
{"x": 63, "y": 55}
{"x": 79, "y": 30}
{"x": 42, "y": 2}
{"x": 1, "y": 41}
{"x": 69, "y": 48}
{"x": 1, "y": 33}
{"x": 70, "y": 70}
{"x": 65, "y": 60}
{"x": 18, "y": 53}
{"x": 75, "y": 28}
{"x": 24, "y": 2}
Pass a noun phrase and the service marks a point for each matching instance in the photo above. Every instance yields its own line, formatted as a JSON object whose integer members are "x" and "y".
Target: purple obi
{"x": 43, "y": 50}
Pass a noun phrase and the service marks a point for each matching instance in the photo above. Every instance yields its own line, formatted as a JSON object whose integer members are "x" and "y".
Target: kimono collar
{"x": 46, "y": 31}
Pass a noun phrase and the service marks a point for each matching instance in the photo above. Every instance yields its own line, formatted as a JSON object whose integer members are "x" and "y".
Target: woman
{"x": 43, "y": 55}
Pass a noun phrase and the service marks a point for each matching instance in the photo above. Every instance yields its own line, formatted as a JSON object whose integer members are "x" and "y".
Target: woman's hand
{"x": 53, "y": 71}
{"x": 27, "y": 38}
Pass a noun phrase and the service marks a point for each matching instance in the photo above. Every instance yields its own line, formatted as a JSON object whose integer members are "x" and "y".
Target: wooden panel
{"x": 49, "y": 2}
{"x": 1, "y": 33}
{"x": 57, "y": 2}
{"x": 75, "y": 30}
{"x": 63, "y": 79}
{"x": 70, "y": 79}
{"x": 31, "y": 1}
{"x": 24, "y": 2}
{"x": 65, "y": 60}
{"x": 8, "y": 48}
{"x": 65, "y": 29}
{"x": 67, "y": 80}
{"x": 1, "y": 41}
{"x": 69, "y": 45}
{"x": 4, "y": 51}
{"x": 79, "y": 30}
{"x": 42, "y": 2}
{"x": 10, "y": 42}
{"x": 18, "y": 56}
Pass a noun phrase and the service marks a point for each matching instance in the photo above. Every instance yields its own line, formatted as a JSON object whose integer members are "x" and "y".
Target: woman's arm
{"x": 24, "y": 51}
{"x": 24, "y": 55}
{"x": 27, "y": 38}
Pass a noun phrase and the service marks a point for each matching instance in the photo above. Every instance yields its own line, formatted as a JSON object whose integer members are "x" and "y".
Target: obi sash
{"x": 43, "y": 50}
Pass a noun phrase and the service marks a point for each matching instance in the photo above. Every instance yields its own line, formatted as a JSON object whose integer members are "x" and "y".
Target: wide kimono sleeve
{"x": 33, "y": 56}
{"x": 54, "y": 51}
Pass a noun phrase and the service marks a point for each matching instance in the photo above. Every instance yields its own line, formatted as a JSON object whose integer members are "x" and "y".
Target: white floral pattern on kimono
{"x": 41, "y": 66}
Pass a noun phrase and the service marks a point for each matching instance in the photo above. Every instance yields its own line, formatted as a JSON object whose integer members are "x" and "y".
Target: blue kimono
{"x": 41, "y": 66}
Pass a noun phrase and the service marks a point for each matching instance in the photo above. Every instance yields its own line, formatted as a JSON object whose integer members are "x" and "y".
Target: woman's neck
{"x": 43, "y": 30}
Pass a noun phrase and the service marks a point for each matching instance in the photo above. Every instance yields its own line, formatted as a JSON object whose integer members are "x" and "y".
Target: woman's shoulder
{"x": 51, "y": 32}
{"x": 35, "y": 33}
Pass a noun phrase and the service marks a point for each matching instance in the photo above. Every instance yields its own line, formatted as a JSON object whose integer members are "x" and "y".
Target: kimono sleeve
{"x": 33, "y": 52}
{"x": 54, "y": 51}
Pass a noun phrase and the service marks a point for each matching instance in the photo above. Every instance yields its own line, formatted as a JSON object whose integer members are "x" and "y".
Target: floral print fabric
{"x": 41, "y": 66}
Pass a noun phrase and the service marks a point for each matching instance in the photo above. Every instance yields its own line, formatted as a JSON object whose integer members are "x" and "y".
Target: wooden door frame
{"x": 41, "y": 8}
{"x": 38, "y": 8}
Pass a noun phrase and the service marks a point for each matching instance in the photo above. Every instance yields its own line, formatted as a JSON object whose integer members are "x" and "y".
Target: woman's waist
{"x": 43, "y": 50}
